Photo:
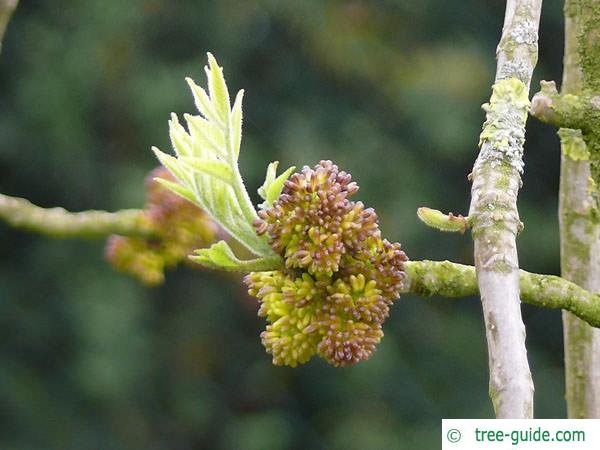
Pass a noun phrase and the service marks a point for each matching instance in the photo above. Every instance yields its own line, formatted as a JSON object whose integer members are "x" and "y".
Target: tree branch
{"x": 58, "y": 222}
{"x": 448, "y": 279}
{"x": 565, "y": 110}
{"x": 425, "y": 278}
{"x": 493, "y": 213}
{"x": 7, "y": 7}
{"x": 579, "y": 229}
{"x": 577, "y": 108}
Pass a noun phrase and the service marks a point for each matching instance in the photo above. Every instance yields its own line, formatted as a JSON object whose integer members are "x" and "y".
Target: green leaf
{"x": 220, "y": 256}
{"x": 219, "y": 95}
{"x": 207, "y": 138}
{"x": 236, "y": 124}
{"x": 269, "y": 178}
{"x": 272, "y": 187}
{"x": 206, "y": 163}
{"x": 213, "y": 167}
{"x": 202, "y": 101}
{"x": 274, "y": 190}
{"x": 172, "y": 164}
{"x": 180, "y": 140}
{"x": 177, "y": 189}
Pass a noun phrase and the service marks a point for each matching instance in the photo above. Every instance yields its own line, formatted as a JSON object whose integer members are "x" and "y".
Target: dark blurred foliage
{"x": 390, "y": 90}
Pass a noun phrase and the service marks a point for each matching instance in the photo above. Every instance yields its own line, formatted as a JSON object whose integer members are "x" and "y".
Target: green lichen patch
{"x": 503, "y": 134}
{"x": 573, "y": 145}
{"x": 588, "y": 40}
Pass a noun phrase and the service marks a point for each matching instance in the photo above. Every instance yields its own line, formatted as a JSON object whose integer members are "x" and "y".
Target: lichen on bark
{"x": 493, "y": 212}
{"x": 579, "y": 230}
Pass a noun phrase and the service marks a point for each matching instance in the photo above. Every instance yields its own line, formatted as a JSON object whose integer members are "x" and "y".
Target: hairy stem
{"x": 579, "y": 230}
{"x": 58, "y": 222}
{"x": 493, "y": 212}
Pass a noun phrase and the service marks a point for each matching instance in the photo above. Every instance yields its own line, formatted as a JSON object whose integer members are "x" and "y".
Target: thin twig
{"x": 58, "y": 222}
{"x": 566, "y": 110}
{"x": 425, "y": 278}
{"x": 452, "y": 280}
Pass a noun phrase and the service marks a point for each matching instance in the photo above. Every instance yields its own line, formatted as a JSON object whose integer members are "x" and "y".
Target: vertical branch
{"x": 495, "y": 219}
{"x": 7, "y": 7}
{"x": 579, "y": 231}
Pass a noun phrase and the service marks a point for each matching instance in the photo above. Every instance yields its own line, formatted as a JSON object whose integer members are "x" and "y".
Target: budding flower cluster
{"x": 179, "y": 228}
{"x": 340, "y": 276}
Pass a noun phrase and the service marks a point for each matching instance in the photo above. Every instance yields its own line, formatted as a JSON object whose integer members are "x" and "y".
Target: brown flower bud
{"x": 179, "y": 228}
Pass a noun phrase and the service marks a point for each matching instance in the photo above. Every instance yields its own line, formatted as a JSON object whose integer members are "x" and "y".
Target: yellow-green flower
{"x": 340, "y": 276}
{"x": 312, "y": 220}
{"x": 349, "y": 342}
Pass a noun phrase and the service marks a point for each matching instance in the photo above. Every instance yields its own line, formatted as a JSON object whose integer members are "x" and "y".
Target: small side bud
{"x": 443, "y": 222}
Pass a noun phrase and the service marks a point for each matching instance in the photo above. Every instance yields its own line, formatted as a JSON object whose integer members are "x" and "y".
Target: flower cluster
{"x": 340, "y": 276}
{"x": 179, "y": 227}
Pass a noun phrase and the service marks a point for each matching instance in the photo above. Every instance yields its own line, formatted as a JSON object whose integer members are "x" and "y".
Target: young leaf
{"x": 202, "y": 101}
{"x": 236, "y": 124}
{"x": 269, "y": 178}
{"x": 206, "y": 136}
{"x": 180, "y": 140}
{"x": 206, "y": 163}
{"x": 172, "y": 165}
{"x": 275, "y": 188}
{"x": 272, "y": 187}
{"x": 220, "y": 256}
{"x": 219, "y": 95}
{"x": 177, "y": 189}
{"x": 212, "y": 167}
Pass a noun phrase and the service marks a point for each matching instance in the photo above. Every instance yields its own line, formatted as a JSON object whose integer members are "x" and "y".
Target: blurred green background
{"x": 390, "y": 90}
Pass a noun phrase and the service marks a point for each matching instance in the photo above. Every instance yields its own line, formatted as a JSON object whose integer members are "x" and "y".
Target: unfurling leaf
{"x": 269, "y": 178}
{"x": 172, "y": 165}
{"x": 220, "y": 256}
{"x": 215, "y": 168}
{"x": 177, "y": 189}
{"x": 236, "y": 124}
{"x": 206, "y": 165}
{"x": 219, "y": 95}
{"x": 272, "y": 187}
